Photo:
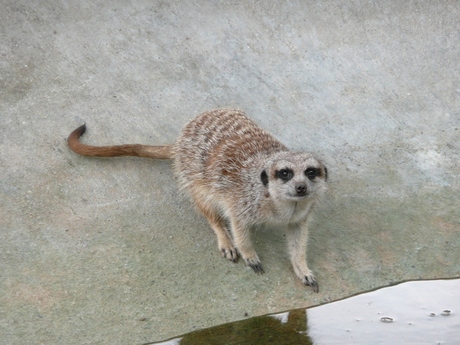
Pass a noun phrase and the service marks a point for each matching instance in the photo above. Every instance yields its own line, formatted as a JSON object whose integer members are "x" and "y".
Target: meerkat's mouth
{"x": 297, "y": 197}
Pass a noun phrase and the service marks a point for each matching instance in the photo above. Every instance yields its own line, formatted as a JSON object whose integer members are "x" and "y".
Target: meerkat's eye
{"x": 312, "y": 173}
{"x": 284, "y": 174}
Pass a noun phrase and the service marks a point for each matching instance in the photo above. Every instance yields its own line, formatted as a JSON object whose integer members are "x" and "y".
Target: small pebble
{"x": 386, "y": 319}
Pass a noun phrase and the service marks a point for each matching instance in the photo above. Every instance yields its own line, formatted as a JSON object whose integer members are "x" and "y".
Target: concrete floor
{"x": 106, "y": 251}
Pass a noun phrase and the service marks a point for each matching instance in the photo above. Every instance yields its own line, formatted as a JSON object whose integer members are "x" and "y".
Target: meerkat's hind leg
{"x": 241, "y": 236}
{"x": 219, "y": 226}
{"x": 224, "y": 241}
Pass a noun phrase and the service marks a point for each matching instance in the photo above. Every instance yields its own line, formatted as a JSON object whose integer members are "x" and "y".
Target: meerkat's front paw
{"x": 305, "y": 275}
{"x": 255, "y": 264}
{"x": 230, "y": 253}
{"x": 310, "y": 280}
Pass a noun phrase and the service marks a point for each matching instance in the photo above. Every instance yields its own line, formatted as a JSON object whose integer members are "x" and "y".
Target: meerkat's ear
{"x": 264, "y": 178}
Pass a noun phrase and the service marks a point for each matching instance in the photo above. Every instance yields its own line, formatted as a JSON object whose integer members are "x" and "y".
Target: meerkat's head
{"x": 294, "y": 176}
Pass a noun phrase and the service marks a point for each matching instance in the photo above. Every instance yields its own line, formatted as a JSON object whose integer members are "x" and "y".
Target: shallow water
{"x": 417, "y": 312}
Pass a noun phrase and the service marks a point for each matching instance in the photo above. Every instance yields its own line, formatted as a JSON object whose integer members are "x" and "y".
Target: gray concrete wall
{"x": 107, "y": 251}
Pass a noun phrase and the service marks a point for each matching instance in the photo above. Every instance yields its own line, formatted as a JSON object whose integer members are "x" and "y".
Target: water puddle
{"x": 416, "y": 312}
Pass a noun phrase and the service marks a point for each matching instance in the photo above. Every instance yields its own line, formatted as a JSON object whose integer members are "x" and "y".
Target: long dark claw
{"x": 311, "y": 282}
{"x": 257, "y": 268}
{"x": 234, "y": 255}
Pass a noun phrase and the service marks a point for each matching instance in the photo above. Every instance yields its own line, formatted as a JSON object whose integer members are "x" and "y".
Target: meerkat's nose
{"x": 301, "y": 189}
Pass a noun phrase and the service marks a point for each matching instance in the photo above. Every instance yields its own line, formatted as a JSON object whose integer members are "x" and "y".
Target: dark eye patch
{"x": 264, "y": 178}
{"x": 312, "y": 173}
{"x": 284, "y": 174}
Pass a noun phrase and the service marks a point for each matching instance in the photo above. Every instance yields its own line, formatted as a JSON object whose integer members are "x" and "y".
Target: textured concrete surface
{"x": 106, "y": 251}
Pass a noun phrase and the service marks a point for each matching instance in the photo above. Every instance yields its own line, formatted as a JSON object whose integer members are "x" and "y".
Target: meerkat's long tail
{"x": 146, "y": 151}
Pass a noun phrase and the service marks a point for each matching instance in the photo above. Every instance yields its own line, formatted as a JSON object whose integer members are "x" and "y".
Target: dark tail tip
{"x": 80, "y": 130}
{"x": 77, "y": 133}
{"x": 72, "y": 140}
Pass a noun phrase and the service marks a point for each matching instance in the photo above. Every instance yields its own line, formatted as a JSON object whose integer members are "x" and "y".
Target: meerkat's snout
{"x": 301, "y": 189}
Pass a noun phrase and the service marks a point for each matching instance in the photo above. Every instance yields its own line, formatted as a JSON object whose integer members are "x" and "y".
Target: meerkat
{"x": 239, "y": 176}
